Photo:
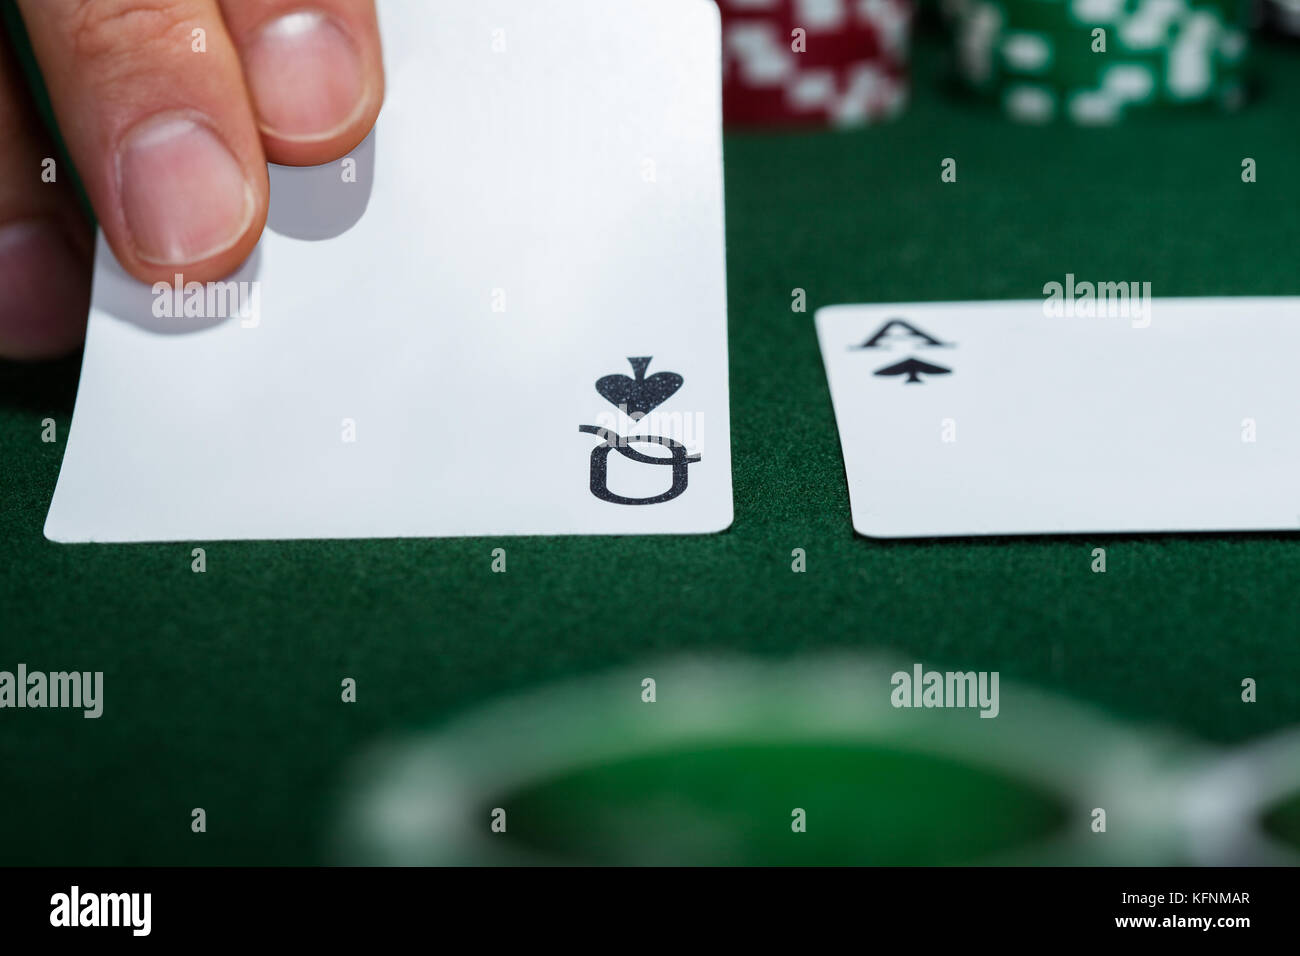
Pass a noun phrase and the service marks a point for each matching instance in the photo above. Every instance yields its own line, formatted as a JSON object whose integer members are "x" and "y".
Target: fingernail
{"x": 46, "y": 290}
{"x": 183, "y": 192}
{"x": 306, "y": 77}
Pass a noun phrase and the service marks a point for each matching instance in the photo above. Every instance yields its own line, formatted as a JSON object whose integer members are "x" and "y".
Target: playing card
{"x": 970, "y": 418}
{"x": 504, "y": 313}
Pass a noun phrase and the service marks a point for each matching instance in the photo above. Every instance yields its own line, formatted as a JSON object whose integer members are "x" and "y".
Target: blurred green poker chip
{"x": 1244, "y": 808}
{"x": 1097, "y": 62}
{"x": 715, "y": 769}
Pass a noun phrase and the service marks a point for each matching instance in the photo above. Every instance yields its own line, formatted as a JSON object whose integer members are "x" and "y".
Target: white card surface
{"x": 540, "y": 204}
{"x": 976, "y": 418}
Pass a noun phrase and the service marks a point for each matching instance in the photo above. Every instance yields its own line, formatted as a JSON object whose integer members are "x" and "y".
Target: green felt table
{"x": 222, "y": 688}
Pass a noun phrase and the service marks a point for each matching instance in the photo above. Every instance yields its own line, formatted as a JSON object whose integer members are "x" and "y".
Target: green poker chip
{"x": 1096, "y": 62}
{"x": 747, "y": 762}
{"x": 1244, "y": 808}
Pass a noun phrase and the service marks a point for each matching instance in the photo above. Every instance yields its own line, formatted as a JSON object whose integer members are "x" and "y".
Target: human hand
{"x": 171, "y": 141}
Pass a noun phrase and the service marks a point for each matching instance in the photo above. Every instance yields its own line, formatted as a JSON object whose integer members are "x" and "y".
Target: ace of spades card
{"x": 976, "y": 418}
{"x": 509, "y": 319}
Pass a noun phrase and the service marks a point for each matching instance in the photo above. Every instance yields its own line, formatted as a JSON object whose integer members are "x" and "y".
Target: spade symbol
{"x": 637, "y": 396}
{"x": 914, "y": 369}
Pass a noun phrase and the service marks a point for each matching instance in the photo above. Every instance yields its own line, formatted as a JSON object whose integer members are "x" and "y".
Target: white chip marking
{"x": 1095, "y": 108}
{"x": 1129, "y": 82}
{"x": 1189, "y": 73}
{"x": 815, "y": 15}
{"x": 1030, "y": 104}
{"x": 976, "y": 41}
{"x": 1148, "y": 28}
{"x": 812, "y": 89}
{"x": 1096, "y": 11}
{"x": 892, "y": 21}
{"x": 865, "y": 84}
{"x": 1026, "y": 51}
{"x": 764, "y": 59}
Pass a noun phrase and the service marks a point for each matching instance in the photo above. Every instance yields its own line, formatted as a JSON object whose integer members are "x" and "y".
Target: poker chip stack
{"x": 1094, "y": 62}
{"x": 839, "y": 63}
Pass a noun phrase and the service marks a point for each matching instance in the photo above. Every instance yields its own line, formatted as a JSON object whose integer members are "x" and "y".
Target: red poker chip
{"x": 814, "y": 62}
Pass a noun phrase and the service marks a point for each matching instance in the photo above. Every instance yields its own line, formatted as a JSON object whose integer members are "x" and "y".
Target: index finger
{"x": 151, "y": 101}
